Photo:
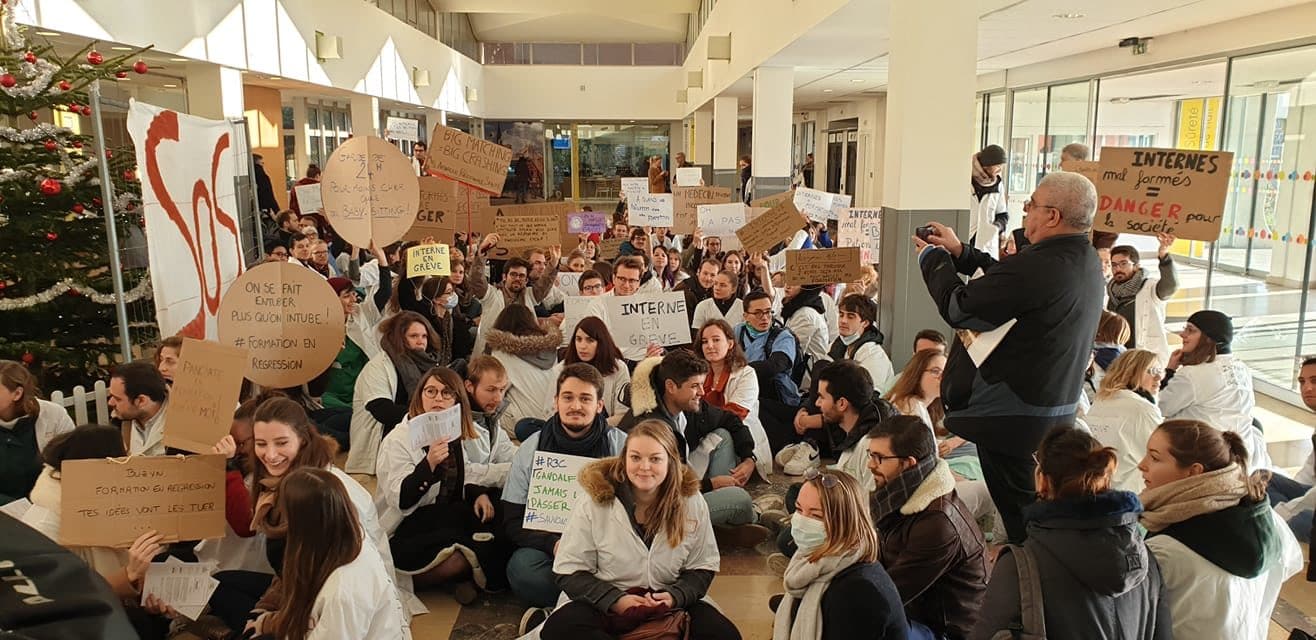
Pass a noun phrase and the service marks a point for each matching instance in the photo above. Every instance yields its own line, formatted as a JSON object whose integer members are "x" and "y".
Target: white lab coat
{"x": 873, "y": 358}
{"x": 1220, "y": 394}
{"x": 810, "y": 329}
{"x": 743, "y": 389}
{"x": 1124, "y": 421}
{"x": 707, "y": 310}
{"x": 530, "y": 391}
{"x": 1208, "y": 602}
{"x": 363, "y": 328}
{"x": 854, "y": 461}
{"x": 982, "y": 213}
{"x": 1149, "y": 321}
{"x": 234, "y": 552}
{"x": 378, "y": 379}
{"x": 493, "y": 303}
{"x": 51, "y": 421}
{"x": 358, "y": 601}
{"x": 832, "y": 315}
{"x": 369, "y": 517}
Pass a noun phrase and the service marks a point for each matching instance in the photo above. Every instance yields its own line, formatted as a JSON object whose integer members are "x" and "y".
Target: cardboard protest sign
{"x": 840, "y": 202}
{"x": 369, "y": 191}
{"x": 610, "y": 248}
{"x": 308, "y": 197}
{"x": 576, "y": 308}
{"x": 648, "y": 318}
{"x": 814, "y": 204}
{"x": 861, "y": 228}
{"x": 568, "y": 282}
{"x": 650, "y": 210}
{"x": 428, "y": 260}
{"x": 465, "y": 158}
{"x": 428, "y": 428}
{"x": 587, "y": 222}
{"x": 771, "y": 201}
{"x": 437, "y": 213}
{"x": 689, "y": 176}
{"x": 207, "y": 382}
{"x": 474, "y": 214}
{"x": 822, "y": 266}
{"x": 553, "y": 490}
{"x": 1150, "y": 191}
{"x": 402, "y": 129}
{"x": 686, "y": 201}
{"x": 110, "y": 502}
{"x": 631, "y": 187}
{"x": 777, "y": 225}
{"x": 722, "y": 221}
{"x": 287, "y": 319}
{"x": 527, "y": 231}
{"x": 553, "y": 213}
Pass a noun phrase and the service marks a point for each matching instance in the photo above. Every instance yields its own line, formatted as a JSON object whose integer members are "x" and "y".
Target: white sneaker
{"x": 784, "y": 456}
{"x": 805, "y": 458}
{"x": 532, "y": 618}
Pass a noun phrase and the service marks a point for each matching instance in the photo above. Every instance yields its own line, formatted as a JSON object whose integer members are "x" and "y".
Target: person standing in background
{"x": 1139, "y": 298}
{"x": 988, "y": 216}
{"x": 657, "y": 177}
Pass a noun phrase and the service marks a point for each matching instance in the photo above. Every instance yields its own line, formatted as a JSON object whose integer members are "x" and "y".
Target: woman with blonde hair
{"x": 1125, "y": 414}
{"x": 835, "y": 586}
{"x": 27, "y": 425}
{"x": 639, "y": 545}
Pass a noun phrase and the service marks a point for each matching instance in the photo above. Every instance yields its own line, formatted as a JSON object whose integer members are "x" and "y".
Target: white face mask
{"x": 808, "y": 534}
{"x": 849, "y": 340}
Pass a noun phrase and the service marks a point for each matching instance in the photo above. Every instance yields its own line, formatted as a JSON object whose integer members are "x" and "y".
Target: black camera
{"x": 925, "y": 232}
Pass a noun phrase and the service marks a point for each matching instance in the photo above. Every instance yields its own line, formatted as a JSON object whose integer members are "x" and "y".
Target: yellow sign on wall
{"x": 1211, "y": 125}
{"x": 1191, "y": 114}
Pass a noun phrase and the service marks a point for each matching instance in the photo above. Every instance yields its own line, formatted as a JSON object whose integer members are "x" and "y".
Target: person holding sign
{"x": 1140, "y": 299}
{"x": 494, "y": 298}
{"x": 437, "y": 501}
{"x": 714, "y": 442}
{"x": 639, "y": 545}
{"x": 528, "y": 351}
{"x": 725, "y": 304}
{"x": 359, "y": 346}
{"x": 337, "y": 583}
{"x": 592, "y": 344}
{"x": 27, "y": 425}
{"x": 627, "y": 277}
{"x": 139, "y": 397}
{"x": 578, "y": 429}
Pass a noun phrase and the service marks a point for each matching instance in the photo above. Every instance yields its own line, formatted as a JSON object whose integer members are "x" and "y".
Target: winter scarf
{"x": 723, "y": 306}
{"x": 410, "y": 365}
{"x": 1240, "y": 539}
{"x": 268, "y": 520}
{"x": 1121, "y": 293}
{"x": 806, "y": 582}
{"x": 553, "y": 438}
{"x": 899, "y": 490}
{"x": 1191, "y": 497}
{"x": 810, "y": 296}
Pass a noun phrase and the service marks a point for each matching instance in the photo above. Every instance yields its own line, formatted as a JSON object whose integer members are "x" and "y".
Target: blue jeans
{"x": 917, "y": 631}
{"x": 1282, "y": 489}
{"x": 728, "y": 505}
{"x": 530, "y": 574}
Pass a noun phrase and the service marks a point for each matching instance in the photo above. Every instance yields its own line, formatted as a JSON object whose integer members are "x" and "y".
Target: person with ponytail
{"x": 1125, "y": 414}
{"x": 1097, "y": 578}
{"x": 1223, "y": 553}
{"x": 337, "y": 585}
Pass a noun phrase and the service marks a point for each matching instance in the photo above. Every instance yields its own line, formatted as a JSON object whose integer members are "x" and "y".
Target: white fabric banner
{"x": 186, "y": 165}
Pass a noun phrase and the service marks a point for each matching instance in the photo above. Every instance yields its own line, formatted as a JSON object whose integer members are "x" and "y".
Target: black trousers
{"x": 1010, "y": 480}
{"x": 581, "y": 621}
{"x": 236, "y": 596}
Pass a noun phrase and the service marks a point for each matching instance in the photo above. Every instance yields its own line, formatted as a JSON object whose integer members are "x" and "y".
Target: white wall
{"x": 555, "y": 92}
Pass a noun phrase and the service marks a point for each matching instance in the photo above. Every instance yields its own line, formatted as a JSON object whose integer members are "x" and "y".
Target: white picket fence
{"x": 79, "y": 403}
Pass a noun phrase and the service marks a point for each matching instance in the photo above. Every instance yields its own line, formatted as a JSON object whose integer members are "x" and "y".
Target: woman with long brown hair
{"x": 528, "y": 351}
{"x": 336, "y": 583}
{"x": 732, "y": 386}
{"x": 438, "y": 501}
{"x": 1222, "y": 550}
{"x": 592, "y": 344}
{"x": 645, "y": 509}
{"x": 27, "y": 425}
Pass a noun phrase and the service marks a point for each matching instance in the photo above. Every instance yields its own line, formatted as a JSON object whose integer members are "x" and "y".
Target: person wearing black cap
{"x": 1204, "y": 381}
{"x": 988, "y": 216}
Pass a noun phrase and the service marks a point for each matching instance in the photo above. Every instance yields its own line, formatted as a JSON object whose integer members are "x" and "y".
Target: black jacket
{"x": 861, "y": 603}
{"x": 1054, "y": 290}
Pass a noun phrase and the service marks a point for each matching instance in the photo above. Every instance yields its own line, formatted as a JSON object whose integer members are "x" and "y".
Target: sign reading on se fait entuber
{"x": 110, "y": 502}
{"x": 822, "y": 266}
{"x": 465, "y": 158}
{"x": 369, "y": 192}
{"x": 288, "y": 320}
{"x": 1150, "y": 191}
{"x": 207, "y": 383}
{"x": 778, "y": 224}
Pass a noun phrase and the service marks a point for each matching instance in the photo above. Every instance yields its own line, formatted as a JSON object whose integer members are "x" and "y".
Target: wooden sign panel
{"x": 110, "y": 502}
{"x": 1149, "y": 191}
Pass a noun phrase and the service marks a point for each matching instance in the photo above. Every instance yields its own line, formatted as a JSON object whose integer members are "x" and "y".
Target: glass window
{"x": 1069, "y": 115}
{"x": 657, "y": 54}
{"x": 1027, "y": 150}
{"x": 995, "y": 127}
{"x": 615, "y": 54}
{"x": 287, "y": 118}
{"x": 609, "y": 152}
{"x": 554, "y": 53}
{"x": 313, "y": 118}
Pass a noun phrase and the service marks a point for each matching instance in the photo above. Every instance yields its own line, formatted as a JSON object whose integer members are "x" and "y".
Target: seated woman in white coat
{"x": 725, "y": 304}
{"x": 638, "y": 544}
{"x": 528, "y": 351}
{"x": 1223, "y": 552}
{"x": 803, "y": 309}
{"x": 1204, "y": 381}
{"x": 409, "y": 348}
{"x": 337, "y": 584}
{"x": 438, "y": 501}
{"x": 1125, "y": 413}
{"x": 732, "y": 386}
{"x": 592, "y": 344}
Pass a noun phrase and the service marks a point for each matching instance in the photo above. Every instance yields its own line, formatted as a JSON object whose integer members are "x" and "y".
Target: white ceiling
{"x": 575, "y": 20}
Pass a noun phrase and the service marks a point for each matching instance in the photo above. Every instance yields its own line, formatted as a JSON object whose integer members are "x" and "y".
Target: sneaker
{"x": 744, "y": 536}
{"x": 769, "y": 502}
{"x": 775, "y": 519}
{"x": 777, "y": 564}
{"x": 465, "y": 593}
{"x": 784, "y": 456}
{"x": 532, "y": 618}
{"x": 805, "y": 458}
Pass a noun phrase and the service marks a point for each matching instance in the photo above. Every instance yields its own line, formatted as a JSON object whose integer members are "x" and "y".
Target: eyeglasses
{"x": 825, "y": 479}
{"x": 759, "y": 314}
{"x": 1029, "y": 204}
{"x": 621, "y": 280}
{"x": 598, "y": 286}
{"x": 1121, "y": 264}
{"x": 1156, "y": 372}
{"x": 434, "y": 392}
{"x": 516, "y": 275}
{"x": 878, "y": 458}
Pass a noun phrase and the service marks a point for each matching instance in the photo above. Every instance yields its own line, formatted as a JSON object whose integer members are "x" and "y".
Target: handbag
{"x": 649, "y": 623}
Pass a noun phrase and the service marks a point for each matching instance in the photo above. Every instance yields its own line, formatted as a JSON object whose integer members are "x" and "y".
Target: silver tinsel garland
{"x": 132, "y": 295}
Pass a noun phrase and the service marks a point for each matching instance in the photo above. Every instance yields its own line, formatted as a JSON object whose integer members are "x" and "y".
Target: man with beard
{"x": 138, "y": 397}
{"x": 513, "y": 289}
{"x": 1141, "y": 299}
{"x": 579, "y": 429}
{"x": 931, "y": 546}
{"x": 700, "y": 287}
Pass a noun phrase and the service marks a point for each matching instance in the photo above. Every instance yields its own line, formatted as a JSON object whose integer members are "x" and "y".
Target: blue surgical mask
{"x": 808, "y": 534}
{"x": 754, "y": 333}
{"x": 849, "y": 340}
{"x": 451, "y": 303}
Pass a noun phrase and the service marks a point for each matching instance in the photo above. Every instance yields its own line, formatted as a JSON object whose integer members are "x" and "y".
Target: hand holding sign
{"x": 370, "y": 191}
{"x": 428, "y": 260}
{"x": 1151, "y": 191}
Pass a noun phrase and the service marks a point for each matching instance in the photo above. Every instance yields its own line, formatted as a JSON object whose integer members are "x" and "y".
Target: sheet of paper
{"x": 689, "y": 176}
{"x": 185, "y": 586}
{"x": 427, "y": 428}
{"x": 17, "y": 508}
{"x": 308, "y": 197}
{"x": 981, "y": 345}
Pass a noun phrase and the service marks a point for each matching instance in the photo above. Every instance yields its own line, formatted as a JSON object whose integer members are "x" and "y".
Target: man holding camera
{"x": 1041, "y": 308}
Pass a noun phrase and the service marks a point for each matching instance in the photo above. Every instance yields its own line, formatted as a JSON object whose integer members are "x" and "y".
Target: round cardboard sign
{"x": 370, "y": 192}
{"x": 288, "y": 320}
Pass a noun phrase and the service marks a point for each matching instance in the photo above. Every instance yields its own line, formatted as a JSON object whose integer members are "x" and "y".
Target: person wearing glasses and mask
{"x": 1140, "y": 297}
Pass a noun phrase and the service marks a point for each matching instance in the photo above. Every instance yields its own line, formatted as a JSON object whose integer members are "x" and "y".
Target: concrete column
{"x": 214, "y": 92}
{"x": 726, "y": 123}
{"x": 774, "y": 92}
{"x": 926, "y": 167}
{"x": 365, "y": 115}
{"x": 701, "y": 138}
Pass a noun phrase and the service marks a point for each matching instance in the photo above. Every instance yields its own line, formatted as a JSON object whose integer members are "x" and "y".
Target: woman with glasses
{"x": 1097, "y": 578}
{"x": 1125, "y": 414}
{"x": 438, "y": 500}
{"x": 725, "y": 304}
{"x": 835, "y": 586}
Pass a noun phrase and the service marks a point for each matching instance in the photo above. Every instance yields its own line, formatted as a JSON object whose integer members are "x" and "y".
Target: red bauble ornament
{"x": 51, "y": 187}
{"x": 109, "y": 154}
{"x": 32, "y": 115}
{"x": 64, "y": 85}
{"x": 77, "y": 144}
{"x": 96, "y": 201}
{"x": 28, "y": 358}
{"x": 95, "y": 58}
{"x": 52, "y": 236}
{"x": 140, "y": 67}
{"x": 51, "y": 146}
{"x": 86, "y": 110}
{"x": 30, "y": 57}
{"x": 121, "y": 74}
{"x": 73, "y": 106}
{"x": 77, "y": 208}
{"x": 129, "y": 175}
{"x": 8, "y": 80}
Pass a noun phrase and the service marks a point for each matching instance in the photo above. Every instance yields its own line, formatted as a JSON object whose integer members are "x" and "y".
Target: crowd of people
{"x": 1081, "y": 476}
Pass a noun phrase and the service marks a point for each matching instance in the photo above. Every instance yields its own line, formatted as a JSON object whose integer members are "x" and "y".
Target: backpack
{"x": 1032, "y": 618}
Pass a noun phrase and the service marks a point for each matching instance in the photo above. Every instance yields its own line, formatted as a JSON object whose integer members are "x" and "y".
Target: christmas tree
{"x": 57, "y": 312}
